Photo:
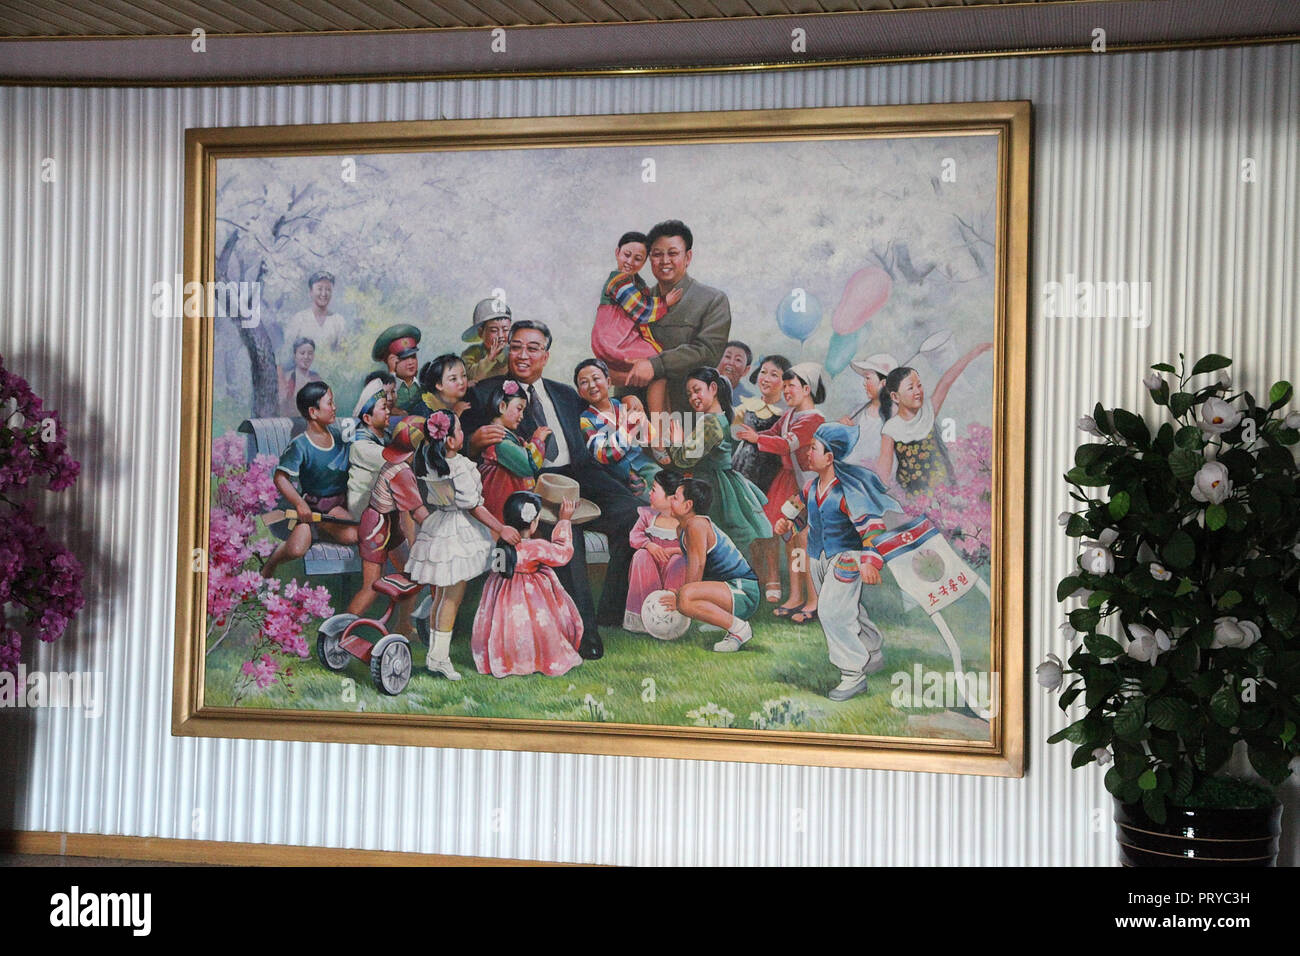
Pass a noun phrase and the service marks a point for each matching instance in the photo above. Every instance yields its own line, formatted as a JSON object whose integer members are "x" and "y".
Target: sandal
{"x": 780, "y": 611}
{"x": 803, "y": 617}
{"x": 773, "y": 593}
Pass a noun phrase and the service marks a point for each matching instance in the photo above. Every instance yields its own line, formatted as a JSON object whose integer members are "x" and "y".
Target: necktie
{"x": 539, "y": 421}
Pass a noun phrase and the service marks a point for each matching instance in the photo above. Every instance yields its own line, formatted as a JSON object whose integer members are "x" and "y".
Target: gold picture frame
{"x": 1006, "y": 125}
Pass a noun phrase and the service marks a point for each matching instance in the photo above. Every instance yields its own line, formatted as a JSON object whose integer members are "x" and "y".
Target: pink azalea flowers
{"x": 40, "y": 579}
{"x": 239, "y": 598}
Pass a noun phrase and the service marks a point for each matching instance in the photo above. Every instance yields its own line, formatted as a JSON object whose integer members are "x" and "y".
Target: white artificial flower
{"x": 1230, "y": 632}
{"x": 1159, "y": 572}
{"x": 1292, "y": 420}
{"x": 1153, "y": 380}
{"x": 1225, "y": 380}
{"x": 1212, "y": 484}
{"x": 528, "y": 512}
{"x": 1146, "y": 644}
{"x": 1064, "y": 517}
{"x": 1067, "y": 631}
{"x": 1217, "y": 416}
{"x": 1096, "y": 559}
{"x": 1107, "y": 537}
{"x": 1295, "y": 549}
{"x": 1145, "y": 554}
{"x": 1088, "y": 424}
{"x": 1051, "y": 673}
{"x": 1102, "y": 756}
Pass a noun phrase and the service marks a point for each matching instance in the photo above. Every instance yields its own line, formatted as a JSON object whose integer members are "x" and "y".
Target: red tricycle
{"x": 339, "y": 639}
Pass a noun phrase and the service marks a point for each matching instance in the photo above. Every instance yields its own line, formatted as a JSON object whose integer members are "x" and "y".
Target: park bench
{"x": 270, "y": 436}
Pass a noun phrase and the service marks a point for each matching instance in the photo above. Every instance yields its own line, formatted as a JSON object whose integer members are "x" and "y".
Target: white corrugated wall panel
{"x": 1137, "y": 165}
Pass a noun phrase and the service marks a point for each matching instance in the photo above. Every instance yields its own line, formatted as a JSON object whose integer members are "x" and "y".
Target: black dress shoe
{"x": 591, "y": 647}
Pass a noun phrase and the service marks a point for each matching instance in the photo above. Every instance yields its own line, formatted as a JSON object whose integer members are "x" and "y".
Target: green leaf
{"x": 1229, "y": 599}
{"x": 1216, "y": 516}
{"x": 1189, "y": 437}
{"x": 1288, "y": 732}
{"x": 1148, "y": 780}
{"x": 1082, "y": 757}
{"x": 1183, "y": 780}
{"x": 1075, "y": 733}
{"x": 1098, "y": 598}
{"x": 1164, "y": 367}
{"x": 1077, "y": 476}
{"x": 1154, "y": 805}
{"x": 1169, "y": 713}
{"x": 1132, "y": 427}
{"x": 1085, "y": 456}
{"x": 1114, "y": 781}
{"x": 1131, "y": 717}
{"x": 1185, "y": 462}
{"x": 1103, "y": 646}
{"x": 1078, "y": 526}
{"x": 1279, "y": 395}
{"x": 1067, "y": 586}
{"x": 1184, "y": 587}
{"x": 1210, "y": 363}
{"x": 1084, "y": 619}
{"x": 1282, "y": 610}
{"x": 1224, "y": 706}
{"x": 1100, "y": 416}
{"x": 1119, "y": 504}
{"x": 1180, "y": 402}
{"x": 1271, "y": 763}
{"x": 1179, "y": 551}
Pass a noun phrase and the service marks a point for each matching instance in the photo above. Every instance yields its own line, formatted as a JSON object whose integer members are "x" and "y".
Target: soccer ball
{"x": 659, "y": 621}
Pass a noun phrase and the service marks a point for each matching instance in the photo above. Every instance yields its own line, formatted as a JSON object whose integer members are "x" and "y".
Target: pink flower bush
{"x": 275, "y": 615}
{"x": 39, "y": 577}
{"x": 964, "y": 510}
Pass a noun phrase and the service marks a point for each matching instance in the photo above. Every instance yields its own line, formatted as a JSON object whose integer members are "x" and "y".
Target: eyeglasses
{"x": 517, "y": 348}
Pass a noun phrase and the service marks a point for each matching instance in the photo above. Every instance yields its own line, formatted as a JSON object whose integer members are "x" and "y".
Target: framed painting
{"x": 680, "y": 435}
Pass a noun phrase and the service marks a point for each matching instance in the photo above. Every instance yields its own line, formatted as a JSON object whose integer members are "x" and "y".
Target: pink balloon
{"x": 867, "y": 290}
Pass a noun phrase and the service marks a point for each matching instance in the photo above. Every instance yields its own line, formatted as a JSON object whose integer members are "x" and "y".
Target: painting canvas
{"x": 690, "y": 435}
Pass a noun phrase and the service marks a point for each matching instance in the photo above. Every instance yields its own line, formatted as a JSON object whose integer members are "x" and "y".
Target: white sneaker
{"x": 710, "y": 628}
{"x": 851, "y": 686}
{"x": 735, "y": 641}
{"x": 445, "y": 668}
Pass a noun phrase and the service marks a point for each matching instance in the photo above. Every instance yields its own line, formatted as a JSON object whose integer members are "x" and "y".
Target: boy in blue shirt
{"x": 318, "y": 460}
{"x": 720, "y": 588}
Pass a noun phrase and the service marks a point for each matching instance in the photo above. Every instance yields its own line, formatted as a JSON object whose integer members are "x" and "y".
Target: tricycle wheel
{"x": 390, "y": 664}
{"x": 328, "y": 638}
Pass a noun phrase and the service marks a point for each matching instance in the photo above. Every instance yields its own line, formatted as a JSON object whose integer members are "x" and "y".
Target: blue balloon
{"x": 841, "y": 350}
{"x": 800, "y": 322}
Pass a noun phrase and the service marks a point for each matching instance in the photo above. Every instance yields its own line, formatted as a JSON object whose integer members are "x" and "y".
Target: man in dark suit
{"x": 558, "y": 406}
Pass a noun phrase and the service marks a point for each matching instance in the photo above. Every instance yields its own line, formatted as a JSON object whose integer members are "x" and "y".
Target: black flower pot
{"x": 1198, "y": 837}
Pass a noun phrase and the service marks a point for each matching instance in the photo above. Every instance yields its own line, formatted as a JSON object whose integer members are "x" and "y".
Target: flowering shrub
{"x": 784, "y": 713}
{"x": 39, "y": 578}
{"x": 963, "y": 510}
{"x": 237, "y": 592}
{"x": 595, "y": 709}
{"x": 711, "y": 715}
{"x": 1191, "y": 553}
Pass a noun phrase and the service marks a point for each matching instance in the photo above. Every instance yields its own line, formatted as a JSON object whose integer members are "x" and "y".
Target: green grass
{"x": 641, "y": 680}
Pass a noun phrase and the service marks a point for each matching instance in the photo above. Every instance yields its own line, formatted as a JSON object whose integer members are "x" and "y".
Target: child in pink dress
{"x": 657, "y": 564}
{"x": 526, "y": 623}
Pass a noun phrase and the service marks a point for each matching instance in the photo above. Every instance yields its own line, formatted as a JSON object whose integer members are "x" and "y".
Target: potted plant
{"x": 1185, "y": 609}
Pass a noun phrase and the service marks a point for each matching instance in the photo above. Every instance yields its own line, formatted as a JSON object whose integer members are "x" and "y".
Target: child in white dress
{"x": 451, "y": 548}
